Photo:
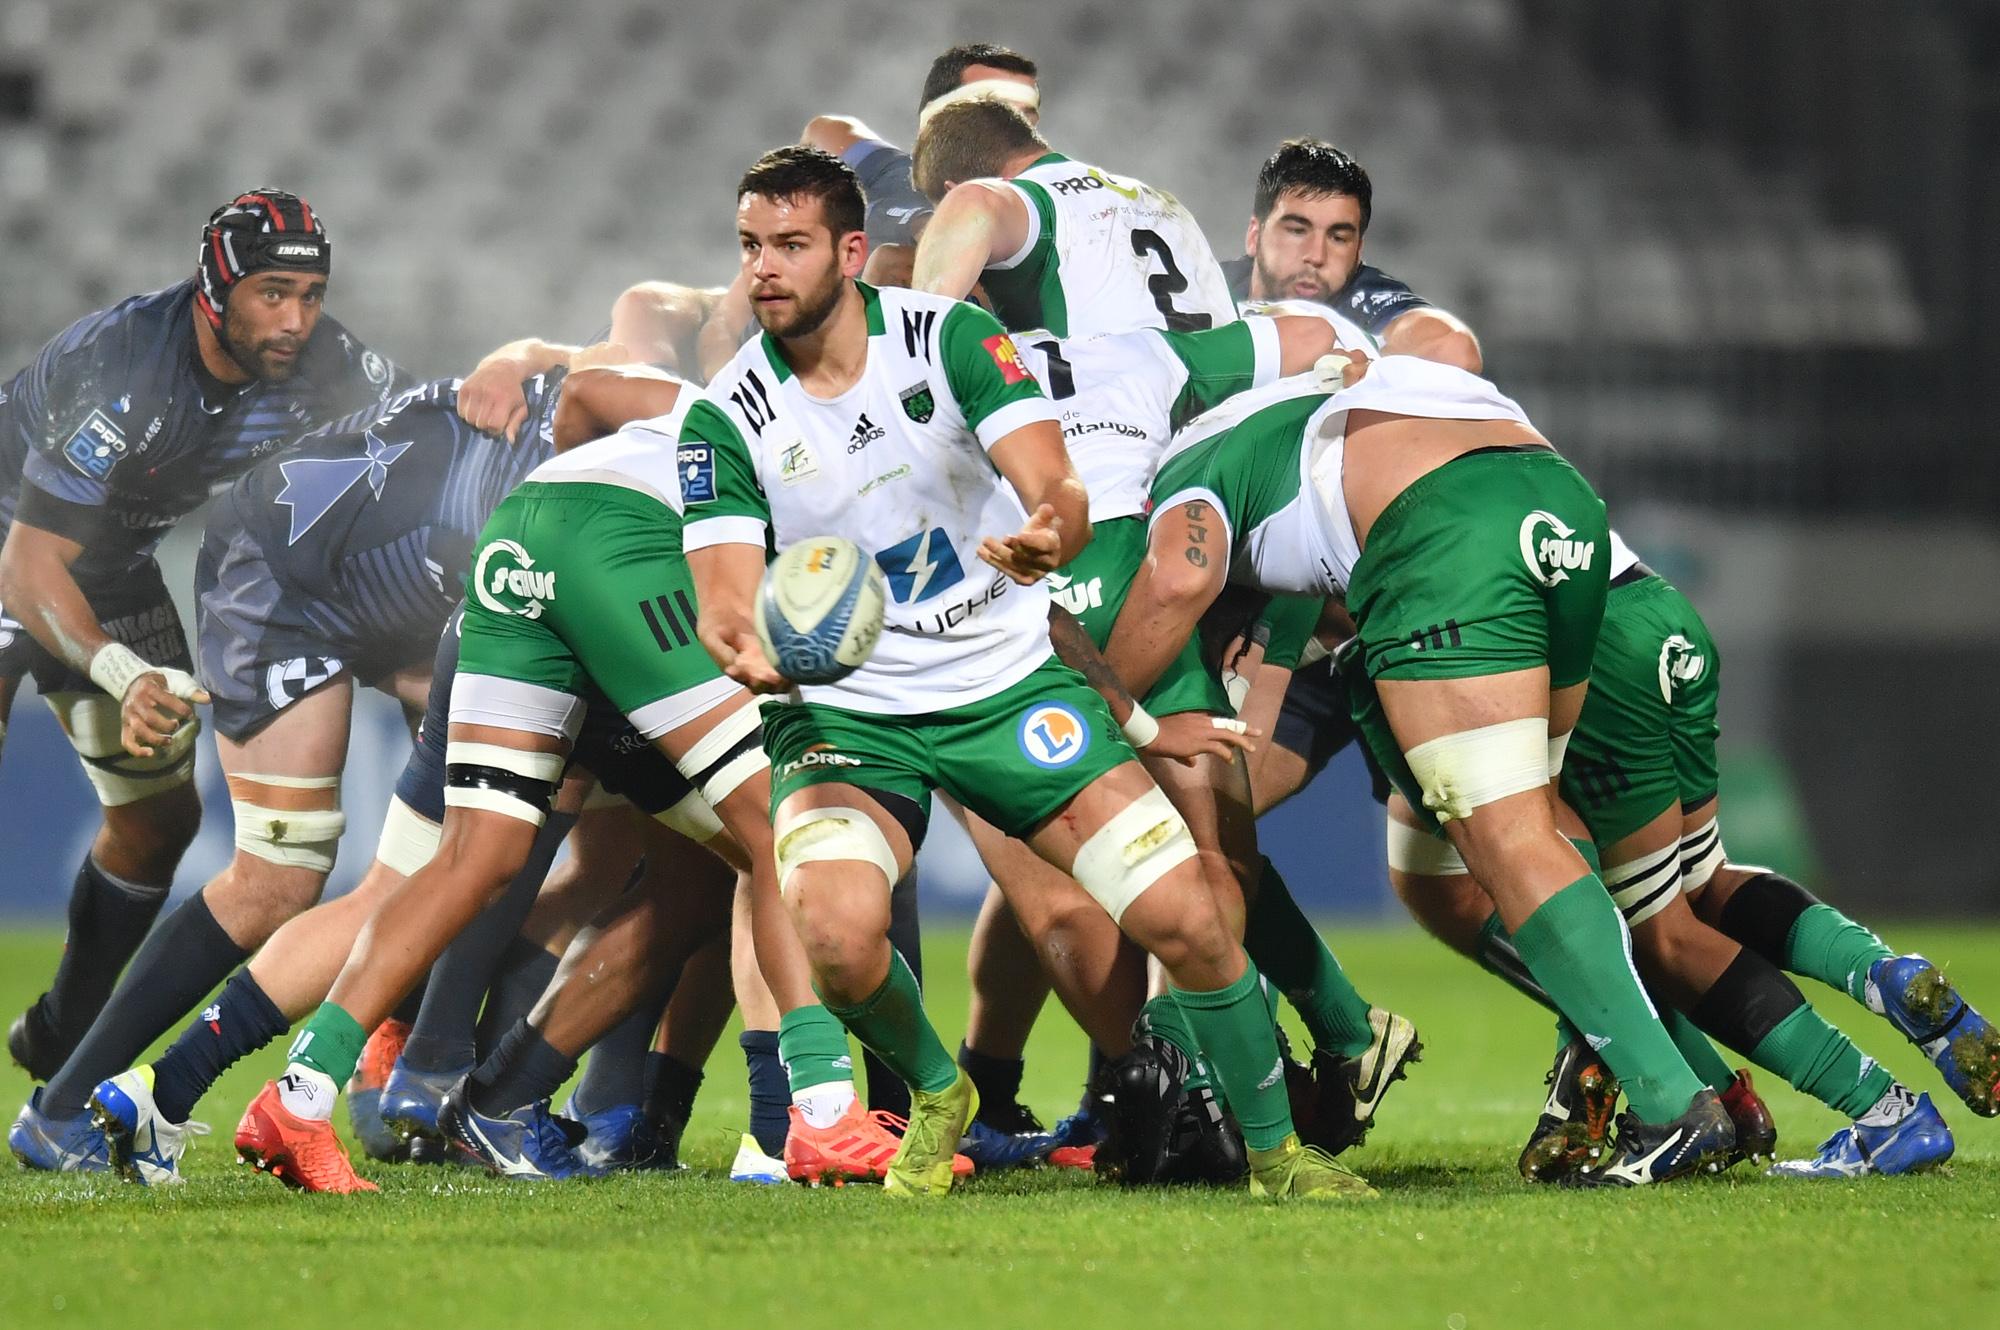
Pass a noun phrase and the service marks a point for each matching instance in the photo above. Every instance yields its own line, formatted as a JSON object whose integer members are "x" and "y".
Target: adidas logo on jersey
{"x": 866, "y": 432}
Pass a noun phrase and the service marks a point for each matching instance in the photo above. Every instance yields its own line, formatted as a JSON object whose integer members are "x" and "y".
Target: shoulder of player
{"x": 114, "y": 332}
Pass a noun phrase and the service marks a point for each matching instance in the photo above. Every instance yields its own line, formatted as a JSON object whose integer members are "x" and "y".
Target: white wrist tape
{"x": 115, "y": 666}
{"x": 1140, "y": 727}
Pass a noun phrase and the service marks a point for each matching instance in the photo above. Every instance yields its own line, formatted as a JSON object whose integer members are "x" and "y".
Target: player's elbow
{"x": 1180, "y": 586}
{"x": 1434, "y": 335}
{"x": 833, "y": 133}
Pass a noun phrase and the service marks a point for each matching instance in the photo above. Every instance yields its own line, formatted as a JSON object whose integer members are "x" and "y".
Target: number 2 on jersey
{"x": 1166, "y": 285}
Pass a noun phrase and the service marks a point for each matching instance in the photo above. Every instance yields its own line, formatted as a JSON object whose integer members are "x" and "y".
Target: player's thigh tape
{"x": 92, "y": 722}
{"x": 693, "y": 818}
{"x": 1558, "y": 746}
{"x": 1420, "y": 854}
{"x": 823, "y": 834}
{"x": 408, "y": 839}
{"x": 294, "y": 837}
{"x": 1643, "y": 887}
{"x": 1460, "y": 772}
{"x": 726, "y": 756}
{"x": 498, "y": 779}
{"x": 1701, "y": 855}
{"x": 509, "y": 704}
{"x": 1139, "y": 845}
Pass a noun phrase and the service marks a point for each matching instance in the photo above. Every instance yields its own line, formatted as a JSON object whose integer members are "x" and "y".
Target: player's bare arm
{"x": 598, "y": 399}
{"x": 975, "y": 224}
{"x": 662, "y": 322}
{"x": 1036, "y": 464}
{"x": 729, "y": 323}
{"x": 1434, "y": 334}
{"x": 1185, "y": 736}
{"x": 1186, "y": 562}
{"x": 490, "y": 399}
{"x": 725, "y": 587}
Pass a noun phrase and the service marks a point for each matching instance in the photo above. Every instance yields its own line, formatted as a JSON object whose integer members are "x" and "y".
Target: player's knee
{"x": 270, "y": 891}
{"x": 93, "y": 722}
{"x": 493, "y": 778}
{"x": 153, "y": 833}
{"x": 1134, "y": 849}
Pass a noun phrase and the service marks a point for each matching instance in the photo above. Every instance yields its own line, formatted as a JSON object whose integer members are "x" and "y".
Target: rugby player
{"x": 124, "y": 423}
{"x": 1474, "y": 561}
{"x": 963, "y": 692}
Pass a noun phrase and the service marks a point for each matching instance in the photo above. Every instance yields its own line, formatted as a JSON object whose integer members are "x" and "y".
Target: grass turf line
{"x": 1456, "y": 1241}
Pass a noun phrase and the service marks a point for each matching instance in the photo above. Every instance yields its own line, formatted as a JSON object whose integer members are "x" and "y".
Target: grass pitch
{"x": 1456, "y": 1242}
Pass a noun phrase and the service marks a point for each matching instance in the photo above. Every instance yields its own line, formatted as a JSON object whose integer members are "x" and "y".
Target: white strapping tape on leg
{"x": 823, "y": 834}
{"x": 693, "y": 818}
{"x": 93, "y": 723}
{"x": 1558, "y": 746}
{"x": 1643, "y": 887}
{"x": 717, "y": 785}
{"x": 295, "y": 837}
{"x": 1473, "y": 768}
{"x": 1140, "y": 844}
{"x": 1420, "y": 854}
{"x": 536, "y": 766}
{"x": 1701, "y": 854}
{"x": 408, "y": 839}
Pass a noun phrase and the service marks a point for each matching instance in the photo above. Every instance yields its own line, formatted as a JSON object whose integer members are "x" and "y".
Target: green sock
{"x": 1576, "y": 947}
{"x": 813, "y": 1047}
{"x": 1694, "y": 1046}
{"x": 1163, "y": 1016}
{"x": 1289, "y": 951}
{"x": 1828, "y": 946}
{"x": 1814, "y": 1057}
{"x": 330, "y": 1043}
{"x": 1234, "y": 1026}
{"x": 892, "y": 1023}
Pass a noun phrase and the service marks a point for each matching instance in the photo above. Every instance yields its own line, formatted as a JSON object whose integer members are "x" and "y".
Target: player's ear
{"x": 853, "y": 253}
{"x": 1250, "y": 236}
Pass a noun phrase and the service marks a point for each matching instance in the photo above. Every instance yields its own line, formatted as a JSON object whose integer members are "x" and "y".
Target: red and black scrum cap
{"x": 255, "y": 232}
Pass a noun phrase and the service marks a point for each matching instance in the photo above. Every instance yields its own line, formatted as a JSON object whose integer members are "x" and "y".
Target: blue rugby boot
{"x": 1920, "y": 1001}
{"x": 409, "y": 1108}
{"x": 528, "y": 1144}
{"x": 1701, "y": 1140}
{"x": 56, "y": 1145}
{"x": 142, "y": 1145}
{"x": 990, "y": 1148}
{"x": 364, "y": 1093}
{"x": 613, "y": 1137}
{"x": 1917, "y": 1141}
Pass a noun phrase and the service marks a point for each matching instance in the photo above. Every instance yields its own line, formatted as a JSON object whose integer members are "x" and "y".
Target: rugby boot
{"x": 1917, "y": 1142}
{"x": 1645, "y": 1153}
{"x": 1206, "y": 1148}
{"x": 1576, "y": 1117}
{"x": 1139, "y": 1105}
{"x": 612, "y": 1136}
{"x": 753, "y": 1165}
{"x": 410, "y": 1100}
{"x": 1756, "y": 1132}
{"x": 1077, "y": 1138}
{"x": 56, "y": 1145}
{"x": 33, "y": 1045}
{"x": 990, "y": 1149}
{"x": 1918, "y": 999}
{"x": 1348, "y": 1091}
{"x": 857, "y": 1147}
{"x": 924, "y": 1166}
{"x": 364, "y": 1093}
{"x": 142, "y": 1145}
{"x": 529, "y": 1144}
{"x": 1291, "y": 1171}
{"x": 302, "y": 1154}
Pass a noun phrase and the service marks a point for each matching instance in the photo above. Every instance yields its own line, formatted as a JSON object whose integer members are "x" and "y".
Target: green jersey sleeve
{"x": 988, "y": 379}
{"x": 721, "y": 500}
{"x": 1025, "y": 287}
{"x": 1221, "y": 362}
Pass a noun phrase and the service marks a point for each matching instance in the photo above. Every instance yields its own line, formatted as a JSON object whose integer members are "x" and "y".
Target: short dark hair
{"x": 1314, "y": 168}
{"x": 967, "y": 141}
{"x": 796, "y": 172}
{"x": 949, "y": 69}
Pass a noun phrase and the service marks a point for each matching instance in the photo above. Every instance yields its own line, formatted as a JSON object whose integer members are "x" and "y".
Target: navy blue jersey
{"x": 1372, "y": 298}
{"x": 894, "y": 206}
{"x": 375, "y": 517}
{"x": 117, "y": 419}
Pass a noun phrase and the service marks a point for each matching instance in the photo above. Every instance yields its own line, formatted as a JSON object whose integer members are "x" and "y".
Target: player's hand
{"x": 742, "y": 659}
{"x": 1189, "y": 736}
{"x": 1031, "y": 553}
{"x": 1340, "y": 368}
{"x": 490, "y": 399}
{"x": 157, "y": 708}
{"x": 600, "y": 354}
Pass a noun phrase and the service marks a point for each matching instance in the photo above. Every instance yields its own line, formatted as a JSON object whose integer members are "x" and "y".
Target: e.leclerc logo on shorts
{"x": 1053, "y": 735}
{"x": 505, "y": 568}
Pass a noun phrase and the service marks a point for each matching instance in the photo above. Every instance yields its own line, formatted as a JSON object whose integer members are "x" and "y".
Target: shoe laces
{"x": 551, "y": 1142}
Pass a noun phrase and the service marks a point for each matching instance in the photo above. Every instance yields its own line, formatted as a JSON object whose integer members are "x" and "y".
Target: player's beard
{"x": 253, "y": 356}
{"x": 811, "y": 310}
{"x": 1275, "y": 287}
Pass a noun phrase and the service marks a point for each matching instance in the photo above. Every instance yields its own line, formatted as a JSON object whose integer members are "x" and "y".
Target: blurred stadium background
{"x": 1733, "y": 256}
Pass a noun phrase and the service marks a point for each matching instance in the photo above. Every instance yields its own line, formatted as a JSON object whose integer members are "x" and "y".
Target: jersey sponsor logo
{"x": 1075, "y": 596}
{"x": 1680, "y": 665}
{"x": 894, "y": 473}
{"x": 1549, "y": 551}
{"x": 696, "y": 463}
{"x": 819, "y": 755}
{"x": 314, "y": 484}
{"x": 1007, "y": 356}
{"x": 796, "y": 463}
{"x": 920, "y": 567}
{"x": 951, "y": 616}
{"x": 96, "y": 446}
{"x": 918, "y": 404}
{"x": 289, "y": 680}
{"x": 1053, "y": 734}
{"x": 866, "y": 432}
{"x": 505, "y": 568}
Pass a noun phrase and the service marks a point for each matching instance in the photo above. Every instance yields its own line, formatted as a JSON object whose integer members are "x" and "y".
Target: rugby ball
{"x": 819, "y": 609}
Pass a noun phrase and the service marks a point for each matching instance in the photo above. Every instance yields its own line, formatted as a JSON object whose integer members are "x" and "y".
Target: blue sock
{"x": 241, "y": 1020}
{"x": 770, "y": 1091}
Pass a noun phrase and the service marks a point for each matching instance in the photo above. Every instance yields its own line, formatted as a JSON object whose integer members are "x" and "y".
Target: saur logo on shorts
{"x": 1549, "y": 552}
{"x": 1053, "y": 734}
{"x": 1680, "y": 664}
{"x": 505, "y": 568}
